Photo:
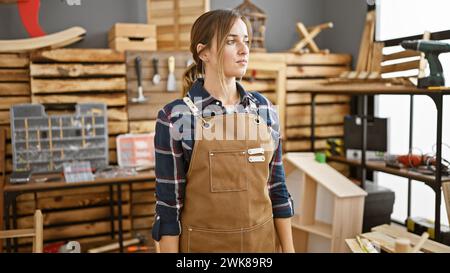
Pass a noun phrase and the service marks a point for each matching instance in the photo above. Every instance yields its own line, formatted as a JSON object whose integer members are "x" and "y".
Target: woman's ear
{"x": 203, "y": 55}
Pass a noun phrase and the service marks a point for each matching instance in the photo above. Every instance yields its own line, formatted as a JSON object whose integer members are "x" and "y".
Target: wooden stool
{"x": 37, "y": 232}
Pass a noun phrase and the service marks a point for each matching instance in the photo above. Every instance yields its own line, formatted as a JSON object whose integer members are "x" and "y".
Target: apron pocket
{"x": 202, "y": 240}
{"x": 227, "y": 170}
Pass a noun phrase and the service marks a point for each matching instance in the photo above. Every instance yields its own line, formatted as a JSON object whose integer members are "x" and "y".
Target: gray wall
{"x": 97, "y": 17}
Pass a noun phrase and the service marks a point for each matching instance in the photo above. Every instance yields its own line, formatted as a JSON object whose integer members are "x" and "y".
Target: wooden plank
{"x": 325, "y": 114}
{"x": 112, "y": 142}
{"x": 44, "y": 86}
{"x": 54, "y": 40}
{"x": 315, "y": 71}
{"x": 305, "y": 98}
{"x": 14, "y": 75}
{"x": 147, "y": 73}
{"x": 71, "y": 55}
{"x": 4, "y": 117}
{"x": 400, "y": 66}
{"x": 143, "y": 209}
{"x": 400, "y": 55}
{"x": 157, "y": 97}
{"x": 73, "y": 216}
{"x": 181, "y": 57}
{"x": 112, "y": 157}
{"x": 259, "y": 85}
{"x": 446, "y": 191}
{"x": 7, "y": 102}
{"x": 147, "y": 86}
{"x": 321, "y": 131}
{"x": 14, "y": 60}
{"x": 117, "y": 114}
{"x": 113, "y": 99}
{"x": 117, "y": 127}
{"x": 76, "y": 70}
{"x": 88, "y": 229}
{"x": 138, "y": 127}
{"x": 67, "y": 201}
{"x": 318, "y": 59}
{"x": 15, "y": 89}
{"x": 123, "y": 44}
{"x": 144, "y": 111}
{"x": 150, "y": 185}
{"x": 59, "y": 193}
{"x": 302, "y": 84}
{"x": 143, "y": 197}
{"x": 143, "y": 222}
{"x": 304, "y": 145}
{"x": 400, "y": 232}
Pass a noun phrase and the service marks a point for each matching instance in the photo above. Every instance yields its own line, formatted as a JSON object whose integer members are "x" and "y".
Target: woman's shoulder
{"x": 259, "y": 98}
{"x": 173, "y": 109}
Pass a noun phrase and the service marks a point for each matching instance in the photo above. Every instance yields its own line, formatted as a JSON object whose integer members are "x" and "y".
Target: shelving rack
{"x": 365, "y": 90}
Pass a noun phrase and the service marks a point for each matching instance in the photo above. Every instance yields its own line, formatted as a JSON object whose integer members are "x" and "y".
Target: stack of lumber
{"x": 308, "y": 70}
{"x": 64, "y": 77}
{"x": 14, "y": 89}
{"x": 142, "y": 115}
{"x": 174, "y": 20}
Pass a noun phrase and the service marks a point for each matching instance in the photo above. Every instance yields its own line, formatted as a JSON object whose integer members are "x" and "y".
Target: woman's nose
{"x": 243, "y": 48}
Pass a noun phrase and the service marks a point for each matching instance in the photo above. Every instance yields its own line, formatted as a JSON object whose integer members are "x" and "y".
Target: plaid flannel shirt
{"x": 173, "y": 151}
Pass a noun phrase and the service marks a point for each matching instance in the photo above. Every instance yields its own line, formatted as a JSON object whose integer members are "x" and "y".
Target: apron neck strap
{"x": 194, "y": 109}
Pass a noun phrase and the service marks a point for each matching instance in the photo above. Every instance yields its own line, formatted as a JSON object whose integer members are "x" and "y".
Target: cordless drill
{"x": 432, "y": 49}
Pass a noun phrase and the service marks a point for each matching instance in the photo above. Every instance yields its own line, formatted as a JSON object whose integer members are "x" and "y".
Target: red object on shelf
{"x": 411, "y": 160}
{"x": 136, "y": 150}
{"x": 29, "y": 14}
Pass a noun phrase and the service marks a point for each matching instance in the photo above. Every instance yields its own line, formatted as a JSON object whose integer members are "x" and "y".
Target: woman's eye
{"x": 230, "y": 42}
{"x": 247, "y": 42}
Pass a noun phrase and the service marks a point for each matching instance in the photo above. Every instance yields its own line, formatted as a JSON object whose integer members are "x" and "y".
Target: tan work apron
{"x": 227, "y": 206}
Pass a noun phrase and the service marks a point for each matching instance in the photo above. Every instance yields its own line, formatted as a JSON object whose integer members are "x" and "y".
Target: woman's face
{"x": 236, "y": 51}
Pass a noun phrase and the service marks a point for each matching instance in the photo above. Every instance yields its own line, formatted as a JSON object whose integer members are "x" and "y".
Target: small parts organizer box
{"x": 42, "y": 143}
{"x": 136, "y": 150}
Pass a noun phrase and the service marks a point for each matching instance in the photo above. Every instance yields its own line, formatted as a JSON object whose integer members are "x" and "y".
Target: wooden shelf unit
{"x": 328, "y": 206}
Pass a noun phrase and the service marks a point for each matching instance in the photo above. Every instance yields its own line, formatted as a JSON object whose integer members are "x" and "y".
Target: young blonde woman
{"x": 220, "y": 182}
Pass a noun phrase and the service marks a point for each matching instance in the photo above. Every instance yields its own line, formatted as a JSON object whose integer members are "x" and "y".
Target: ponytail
{"x": 190, "y": 75}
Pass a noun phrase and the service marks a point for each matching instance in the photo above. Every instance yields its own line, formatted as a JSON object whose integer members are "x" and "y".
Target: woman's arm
{"x": 284, "y": 233}
{"x": 168, "y": 244}
{"x": 170, "y": 184}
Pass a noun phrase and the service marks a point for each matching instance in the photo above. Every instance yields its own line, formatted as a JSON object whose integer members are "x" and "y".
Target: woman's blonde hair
{"x": 215, "y": 23}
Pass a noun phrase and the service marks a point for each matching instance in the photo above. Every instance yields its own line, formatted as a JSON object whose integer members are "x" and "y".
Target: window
{"x": 416, "y": 16}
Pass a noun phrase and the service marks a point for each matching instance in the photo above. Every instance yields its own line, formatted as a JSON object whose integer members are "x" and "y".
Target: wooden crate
{"x": 15, "y": 89}
{"x": 142, "y": 116}
{"x": 174, "y": 20}
{"x": 124, "y": 36}
{"x": 305, "y": 71}
{"x": 68, "y": 76}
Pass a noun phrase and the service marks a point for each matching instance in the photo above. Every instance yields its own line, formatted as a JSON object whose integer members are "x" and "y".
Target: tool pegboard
{"x": 42, "y": 143}
{"x": 142, "y": 113}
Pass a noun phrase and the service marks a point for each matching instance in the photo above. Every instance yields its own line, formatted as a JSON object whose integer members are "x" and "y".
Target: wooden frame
{"x": 338, "y": 215}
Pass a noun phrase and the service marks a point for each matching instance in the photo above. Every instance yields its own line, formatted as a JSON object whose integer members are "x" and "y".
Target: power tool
{"x": 432, "y": 49}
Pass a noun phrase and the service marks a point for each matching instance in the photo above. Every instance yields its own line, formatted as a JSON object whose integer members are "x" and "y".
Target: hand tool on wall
{"x": 432, "y": 49}
{"x": 138, "y": 66}
{"x": 156, "y": 77}
{"x": 171, "y": 81}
